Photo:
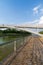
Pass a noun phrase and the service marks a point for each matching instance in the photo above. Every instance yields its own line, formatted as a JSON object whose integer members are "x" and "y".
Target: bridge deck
{"x": 31, "y": 54}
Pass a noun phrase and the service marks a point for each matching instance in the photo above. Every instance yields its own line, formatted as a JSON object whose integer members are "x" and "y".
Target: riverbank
{"x": 13, "y": 32}
{"x": 41, "y": 32}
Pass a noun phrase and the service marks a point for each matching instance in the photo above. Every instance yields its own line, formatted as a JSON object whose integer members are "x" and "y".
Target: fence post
{"x": 14, "y": 46}
{"x": 22, "y": 41}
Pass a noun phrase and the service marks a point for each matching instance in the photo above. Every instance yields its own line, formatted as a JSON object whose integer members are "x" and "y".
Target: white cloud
{"x": 41, "y": 20}
{"x": 34, "y": 22}
{"x": 39, "y": 10}
{"x": 36, "y": 9}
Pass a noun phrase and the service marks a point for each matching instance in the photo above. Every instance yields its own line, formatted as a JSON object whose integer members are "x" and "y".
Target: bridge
{"x": 25, "y": 28}
{"x": 21, "y": 26}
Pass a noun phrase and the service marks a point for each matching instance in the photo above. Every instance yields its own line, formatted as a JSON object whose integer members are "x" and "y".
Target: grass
{"x": 41, "y": 32}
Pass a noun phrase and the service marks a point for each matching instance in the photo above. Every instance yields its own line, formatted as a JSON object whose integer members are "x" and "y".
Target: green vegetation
{"x": 13, "y": 32}
{"x": 41, "y": 32}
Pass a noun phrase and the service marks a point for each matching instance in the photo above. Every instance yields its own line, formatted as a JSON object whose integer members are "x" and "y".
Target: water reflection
{"x": 6, "y": 39}
{"x": 34, "y": 30}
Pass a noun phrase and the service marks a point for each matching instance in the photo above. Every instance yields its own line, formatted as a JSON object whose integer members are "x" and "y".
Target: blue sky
{"x": 21, "y": 11}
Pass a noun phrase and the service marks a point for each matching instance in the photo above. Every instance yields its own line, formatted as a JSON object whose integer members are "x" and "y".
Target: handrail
{"x": 9, "y": 41}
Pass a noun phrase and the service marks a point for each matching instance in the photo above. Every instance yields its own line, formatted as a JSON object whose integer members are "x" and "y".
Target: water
{"x": 34, "y": 30}
{"x": 6, "y": 39}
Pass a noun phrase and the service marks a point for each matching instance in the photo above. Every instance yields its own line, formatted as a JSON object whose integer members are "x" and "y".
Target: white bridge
{"x": 24, "y": 28}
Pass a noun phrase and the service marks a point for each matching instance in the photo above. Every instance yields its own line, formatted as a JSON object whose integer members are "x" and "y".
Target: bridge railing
{"x": 9, "y": 49}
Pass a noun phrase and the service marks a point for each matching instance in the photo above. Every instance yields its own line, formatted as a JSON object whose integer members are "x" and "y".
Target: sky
{"x": 21, "y": 11}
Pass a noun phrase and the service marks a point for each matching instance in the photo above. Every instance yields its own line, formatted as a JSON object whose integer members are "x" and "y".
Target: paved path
{"x": 31, "y": 54}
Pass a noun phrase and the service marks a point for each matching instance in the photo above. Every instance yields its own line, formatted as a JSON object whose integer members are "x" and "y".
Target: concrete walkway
{"x": 31, "y": 54}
